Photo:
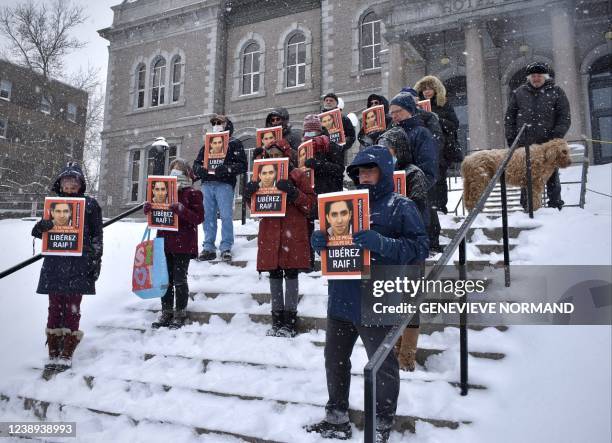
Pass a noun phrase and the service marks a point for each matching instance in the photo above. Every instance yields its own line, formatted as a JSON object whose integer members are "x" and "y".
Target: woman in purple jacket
{"x": 180, "y": 246}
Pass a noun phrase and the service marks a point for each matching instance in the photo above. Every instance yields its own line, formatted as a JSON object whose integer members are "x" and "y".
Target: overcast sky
{"x": 99, "y": 15}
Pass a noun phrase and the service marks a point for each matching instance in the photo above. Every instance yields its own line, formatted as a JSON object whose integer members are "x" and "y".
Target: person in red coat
{"x": 180, "y": 246}
{"x": 283, "y": 246}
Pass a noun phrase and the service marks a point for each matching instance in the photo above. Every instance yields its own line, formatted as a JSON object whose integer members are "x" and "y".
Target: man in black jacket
{"x": 218, "y": 190}
{"x": 544, "y": 107}
{"x": 280, "y": 117}
{"x": 330, "y": 101}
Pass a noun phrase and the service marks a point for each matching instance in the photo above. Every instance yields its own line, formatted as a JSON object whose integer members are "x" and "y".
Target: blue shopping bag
{"x": 150, "y": 272}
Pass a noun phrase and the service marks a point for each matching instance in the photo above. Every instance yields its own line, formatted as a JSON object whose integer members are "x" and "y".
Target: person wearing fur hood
{"x": 283, "y": 246}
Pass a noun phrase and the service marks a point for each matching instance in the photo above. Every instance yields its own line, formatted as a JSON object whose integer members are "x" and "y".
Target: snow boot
{"x": 382, "y": 435}
{"x": 207, "y": 256}
{"x": 71, "y": 341}
{"x": 408, "y": 349}
{"x": 277, "y": 324}
{"x": 164, "y": 319}
{"x": 226, "y": 256}
{"x": 55, "y": 343}
{"x": 326, "y": 429}
{"x": 289, "y": 328}
{"x": 179, "y": 320}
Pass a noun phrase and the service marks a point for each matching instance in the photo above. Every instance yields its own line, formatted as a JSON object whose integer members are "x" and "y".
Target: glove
{"x": 177, "y": 207}
{"x": 222, "y": 171}
{"x": 258, "y": 152}
{"x": 250, "y": 188}
{"x": 320, "y": 143}
{"x": 146, "y": 208}
{"x": 369, "y": 239}
{"x": 94, "y": 265}
{"x": 289, "y": 188}
{"x": 318, "y": 241}
{"x": 313, "y": 163}
{"x": 44, "y": 225}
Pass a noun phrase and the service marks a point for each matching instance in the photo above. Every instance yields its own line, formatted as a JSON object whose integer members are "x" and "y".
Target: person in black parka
{"x": 545, "y": 109}
{"x": 370, "y": 139}
{"x": 330, "y": 102}
{"x": 66, "y": 278}
{"x": 280, "y": 117}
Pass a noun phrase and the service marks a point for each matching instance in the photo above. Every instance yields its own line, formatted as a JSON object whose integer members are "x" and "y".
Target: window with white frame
{"x": 3, "y": 126}
{"x": 45, "y": 105}
{"x": 177, "y": 76}
{"x": 250, "y": 69}
{"x": 5, "y": 89}
{"x": 370, "y": 41}
{"x": 296, "y": 61}
{"x": 134, "y": 175}
{"x": 158, "y": 84}
{"x": 141, "y": 72}
{"x": 71, "y": 113}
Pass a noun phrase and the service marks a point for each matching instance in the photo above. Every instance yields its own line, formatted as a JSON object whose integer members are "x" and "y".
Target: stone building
{"x": 42, "y": 126}
{"x": 172, "y": 63}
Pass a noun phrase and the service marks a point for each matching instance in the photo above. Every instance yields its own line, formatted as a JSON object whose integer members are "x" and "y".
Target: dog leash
{"x": 598, "y": 141}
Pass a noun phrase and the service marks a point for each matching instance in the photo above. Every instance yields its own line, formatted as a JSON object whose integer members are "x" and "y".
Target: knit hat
{"x": 406, "y": 101}
{"x": 537, "y": 68}
{"x": 410, "y": 91}
{"x": 312, "y": 123}
{"x": 332, "y": 95}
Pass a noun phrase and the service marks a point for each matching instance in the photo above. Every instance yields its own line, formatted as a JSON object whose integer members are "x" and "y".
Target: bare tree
{"x": 38, "y": 34}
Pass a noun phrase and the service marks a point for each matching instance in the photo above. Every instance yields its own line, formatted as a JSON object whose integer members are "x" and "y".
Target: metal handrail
{"x": 371, "y": 368}
{"x": 37, "y": 257}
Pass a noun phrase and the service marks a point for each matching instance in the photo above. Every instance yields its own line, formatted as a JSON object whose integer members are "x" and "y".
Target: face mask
{"x": 217, "y": 128}
{"x": 176, "y": 172}
{"x": 394, "y": 160}
{"x": 310, "y": 134}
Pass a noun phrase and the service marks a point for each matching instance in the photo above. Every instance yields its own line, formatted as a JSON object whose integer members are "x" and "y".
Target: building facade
{"x": 42, "y": 126}
{"x": 173, "y": 63}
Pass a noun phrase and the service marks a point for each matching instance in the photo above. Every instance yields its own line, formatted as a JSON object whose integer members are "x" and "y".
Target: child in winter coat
{"x": 66, "y": 279}
{"x": 180, "y": 246}
{"x": 283, "y": 246}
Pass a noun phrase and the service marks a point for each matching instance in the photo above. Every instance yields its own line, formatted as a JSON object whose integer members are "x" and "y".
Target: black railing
{"x": 370, "y": 371}
{"x": 37, "y": 257}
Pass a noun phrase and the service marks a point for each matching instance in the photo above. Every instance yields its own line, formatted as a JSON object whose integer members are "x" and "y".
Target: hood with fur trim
{"x": 430, "y": 81}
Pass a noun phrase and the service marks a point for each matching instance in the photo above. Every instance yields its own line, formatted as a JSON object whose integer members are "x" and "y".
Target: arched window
{"x": 250, "y": 69}
{"x": 140, "y": 74}
{"x": 296, "y": 60}
{"x": 600, "y": 99}
{"x": 370, "y": 41}
{"x": 177, "y": 76}
{"x": 158, "y": 85}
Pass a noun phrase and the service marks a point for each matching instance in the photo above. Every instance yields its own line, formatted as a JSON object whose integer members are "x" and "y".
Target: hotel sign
{"x": 456, "y": 6}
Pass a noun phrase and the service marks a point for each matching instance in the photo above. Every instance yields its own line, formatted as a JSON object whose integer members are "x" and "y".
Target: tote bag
{"x": 150, "y": 272}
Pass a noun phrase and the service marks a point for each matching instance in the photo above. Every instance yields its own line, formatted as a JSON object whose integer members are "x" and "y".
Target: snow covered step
{"x": 304, "y": 323}
{"x": 248, "y": 237}
{"x": 260, "y": 417}
{"x": 237, "y": 263}
{"x": 490, "y": 248}
{"x": 491, "y": 233}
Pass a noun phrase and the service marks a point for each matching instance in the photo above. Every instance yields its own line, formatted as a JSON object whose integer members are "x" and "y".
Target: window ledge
{"x": 249, "y": 96}
{"x": 178, "y": 104}
{"x": 305, "y": 87}
{"x": 366, "y": 72}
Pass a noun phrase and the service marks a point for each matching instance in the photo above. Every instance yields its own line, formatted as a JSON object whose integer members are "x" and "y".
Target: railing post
{"x": 463, "y": 344}
{"x": 504, "y": 202}
{"x": 529, "y": 184}
{"x": 583, "y": 178}
{"x": 243, "y": 180}
{"x": 369, "y": 431}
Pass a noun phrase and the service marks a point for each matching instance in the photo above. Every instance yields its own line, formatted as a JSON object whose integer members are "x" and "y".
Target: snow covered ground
{"x": 552, "y": 386}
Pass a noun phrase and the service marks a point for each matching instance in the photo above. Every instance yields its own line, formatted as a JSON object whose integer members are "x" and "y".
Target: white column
{"x": 393, "y": 65}
{"x": 564, "y": 58}
{"x": 475, "y": 80}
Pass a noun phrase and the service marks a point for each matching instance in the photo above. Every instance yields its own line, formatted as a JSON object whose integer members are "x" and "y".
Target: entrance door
{"x": 456, "y": 93}
{"x": 600, "y": 96}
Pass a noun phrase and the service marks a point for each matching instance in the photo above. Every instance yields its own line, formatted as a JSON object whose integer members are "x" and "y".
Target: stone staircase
{"x": 18, "y": 205}
{"x": 222, "y": 376}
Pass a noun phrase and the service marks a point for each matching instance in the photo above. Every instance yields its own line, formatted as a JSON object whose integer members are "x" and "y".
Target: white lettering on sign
{"x": 455, "y": 6}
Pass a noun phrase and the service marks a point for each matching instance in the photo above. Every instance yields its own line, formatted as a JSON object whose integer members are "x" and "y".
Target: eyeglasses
{"x": 276, "y": 119}
{"x": 216, "y": 122}
{"x": 374, "y": 102}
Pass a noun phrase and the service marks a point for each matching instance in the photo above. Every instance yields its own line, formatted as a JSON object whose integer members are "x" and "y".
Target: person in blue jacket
{"x": 403, "y": 111}
{"x": 396, "y": 236}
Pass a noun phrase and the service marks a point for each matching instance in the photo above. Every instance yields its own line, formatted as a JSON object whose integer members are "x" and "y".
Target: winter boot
{"x": 55, "y": 342}
{"x": 289, "y": 328}
{"x": 326, "y": 429}
{"x": 207, "y": 256}
{"x": 226, "y": 256}
{"x": 164, "y": 319}
{"x": 408, "y": 349}
{"x": 277, "y": 324}
{"x": 71, "y": 341}
{"x": 179, "y": 320}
